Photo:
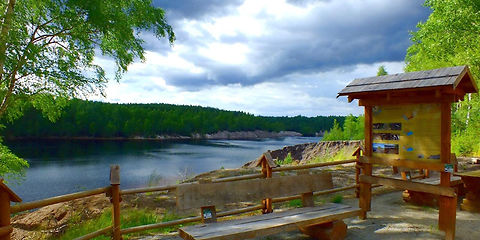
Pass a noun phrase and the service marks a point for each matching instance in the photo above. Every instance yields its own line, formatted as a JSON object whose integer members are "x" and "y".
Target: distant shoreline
{"x": 222, "y": 135}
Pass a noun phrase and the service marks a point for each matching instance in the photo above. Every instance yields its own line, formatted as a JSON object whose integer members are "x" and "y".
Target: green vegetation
{"x": 450, "y": 37}
{"x": 381, "y": 71}
{"x": 130, "y": 218}
{"x": 295, "y": 203}
{"x": 287, "y": 160}
{"x": 337, "y": 199}
{"x": 97, "y": 119}
{"x": 342, "y": 154}
{"x": 353, "y": 129}
{"x": 48, "y": 48}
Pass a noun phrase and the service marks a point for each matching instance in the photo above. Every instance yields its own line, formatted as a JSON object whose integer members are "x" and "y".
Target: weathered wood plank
{"x": 408, "y": 185}
{"x": 211, "y": 194}
{"x": 263, "y": 225}
{"x": 416, "y": 164}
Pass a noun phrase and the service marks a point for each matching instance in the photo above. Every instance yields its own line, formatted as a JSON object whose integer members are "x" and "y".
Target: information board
{"x": 406, "y": 131}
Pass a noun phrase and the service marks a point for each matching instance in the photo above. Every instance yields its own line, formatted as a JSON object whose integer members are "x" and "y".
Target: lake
{"x": 59, "y": 167}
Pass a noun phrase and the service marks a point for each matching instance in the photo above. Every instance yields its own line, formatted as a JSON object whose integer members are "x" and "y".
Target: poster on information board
{"x": 406, "y": 132}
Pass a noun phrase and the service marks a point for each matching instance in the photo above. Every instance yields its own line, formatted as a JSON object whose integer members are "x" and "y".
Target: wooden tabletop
{"x": 475, "y": 173}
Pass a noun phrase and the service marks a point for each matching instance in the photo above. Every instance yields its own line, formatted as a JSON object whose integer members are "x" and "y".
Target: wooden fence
{"x": 114, "y": 193}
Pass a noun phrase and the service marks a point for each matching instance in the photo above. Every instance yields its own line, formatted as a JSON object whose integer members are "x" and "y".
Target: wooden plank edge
{"x": 97, "y": 233}
{"x": 408, "y": 185}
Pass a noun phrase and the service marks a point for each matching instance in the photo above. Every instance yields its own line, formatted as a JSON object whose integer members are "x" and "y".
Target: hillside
{"x": 110, "y": 120}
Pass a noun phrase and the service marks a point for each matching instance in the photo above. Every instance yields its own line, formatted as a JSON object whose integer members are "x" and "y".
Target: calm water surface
{"x": 60, "y": 167}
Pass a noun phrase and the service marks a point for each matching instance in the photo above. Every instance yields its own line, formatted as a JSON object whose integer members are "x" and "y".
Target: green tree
{"x": 450, "y": 37}
{"x": 381, "y": 71}
{"x": 335, "y": 132}
{"x": 48, "y": 47}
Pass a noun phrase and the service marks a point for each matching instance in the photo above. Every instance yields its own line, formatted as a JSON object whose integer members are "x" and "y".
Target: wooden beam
{"x": 365, "y": 189}
{"x": 408, "y": 185}
{"x": 57, "y": 199}
{"x": 405, "y": 99}
{"x": 433, "y": 165}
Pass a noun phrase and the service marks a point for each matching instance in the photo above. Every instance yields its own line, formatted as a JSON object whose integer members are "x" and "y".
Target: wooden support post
{"x": 4, "y": 212}
{"x": 267, "y": 173}
{"x": 366, "y": 188}
{"x": 326, "y": 231}
{"x": 115, "y": 199}
{"x": 6, "y": 196}
{"x": 447, "y": 205}
{"x": 358, "y": 168}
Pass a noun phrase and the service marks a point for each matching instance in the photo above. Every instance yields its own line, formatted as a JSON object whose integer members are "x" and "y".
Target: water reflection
{"x": 60, "y": 167}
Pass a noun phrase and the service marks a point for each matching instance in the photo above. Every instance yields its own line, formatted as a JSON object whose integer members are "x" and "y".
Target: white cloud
{"x": 269, "y": 57}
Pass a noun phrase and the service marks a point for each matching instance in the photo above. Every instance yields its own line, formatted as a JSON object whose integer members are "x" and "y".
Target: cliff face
{"x": 308, "y": 151}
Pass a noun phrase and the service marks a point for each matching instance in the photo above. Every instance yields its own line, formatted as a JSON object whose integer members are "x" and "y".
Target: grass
{"x": 130, "y": 218}
{"x": 295, "y": 203}
{"x": 342, "y": 154}
{"x": 337, "y": 199}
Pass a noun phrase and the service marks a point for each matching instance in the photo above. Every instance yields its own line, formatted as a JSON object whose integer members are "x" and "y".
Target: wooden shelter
{"x": 408, "y": 124}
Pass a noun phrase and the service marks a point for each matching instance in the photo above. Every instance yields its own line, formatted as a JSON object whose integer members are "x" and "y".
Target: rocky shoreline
{"x": 222, "y": 135}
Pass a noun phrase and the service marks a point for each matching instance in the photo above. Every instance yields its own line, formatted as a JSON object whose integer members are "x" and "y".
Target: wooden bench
{"x": 429, "y": 199}
{"x": 321, "y": 222}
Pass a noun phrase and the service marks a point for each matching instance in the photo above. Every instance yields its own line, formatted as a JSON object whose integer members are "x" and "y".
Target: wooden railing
{"x": 114, "y": 193}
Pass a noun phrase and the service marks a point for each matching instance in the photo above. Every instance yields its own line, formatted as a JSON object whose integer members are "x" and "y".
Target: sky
{"x": 268, "y": 57}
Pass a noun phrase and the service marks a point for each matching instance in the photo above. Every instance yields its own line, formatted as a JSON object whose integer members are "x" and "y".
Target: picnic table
{"x": 471, "y": 179}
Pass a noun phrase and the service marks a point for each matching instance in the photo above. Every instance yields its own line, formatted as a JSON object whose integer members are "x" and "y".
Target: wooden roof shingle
{"x": 450, "y": 76}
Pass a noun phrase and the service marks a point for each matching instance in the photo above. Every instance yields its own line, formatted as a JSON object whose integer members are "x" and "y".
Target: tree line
{"x": 107, "y": 120}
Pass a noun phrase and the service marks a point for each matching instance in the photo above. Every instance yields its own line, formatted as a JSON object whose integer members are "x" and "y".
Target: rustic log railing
{"x": 114, "y": 193}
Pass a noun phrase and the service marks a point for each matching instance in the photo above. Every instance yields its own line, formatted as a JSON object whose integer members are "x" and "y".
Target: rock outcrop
{"x": 306, "y": 152}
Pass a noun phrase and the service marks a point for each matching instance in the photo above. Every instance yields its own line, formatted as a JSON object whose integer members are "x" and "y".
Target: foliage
{"x": 11, "y": 166}
{"x": 381, "y": 71}
{"x": 48, "y": 48}
{"x": 450, "y": 37}
{"x": 287, "y": 160}
{"x": 337, "y": 199}
{"x": 129, "y": 218}
{"x": 97, "y": 119}
{"x": 295, "y": 203}
{"x": 353, "y": 129}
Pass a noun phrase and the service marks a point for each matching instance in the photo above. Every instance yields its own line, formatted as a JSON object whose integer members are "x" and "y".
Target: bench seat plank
{"x": 267, "y": 224}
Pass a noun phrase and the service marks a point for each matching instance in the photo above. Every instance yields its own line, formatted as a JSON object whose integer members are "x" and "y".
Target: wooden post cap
{"x": 13, "y": 197}
{"x": 114, "y": 174}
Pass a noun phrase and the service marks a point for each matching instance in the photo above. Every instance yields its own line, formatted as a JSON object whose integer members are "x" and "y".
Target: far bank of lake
{"x": 65, "y": 166}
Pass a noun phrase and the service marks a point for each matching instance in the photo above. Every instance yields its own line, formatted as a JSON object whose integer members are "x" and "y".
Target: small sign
{"x": 207, "y": 213}
{"x": 449, "y": 168}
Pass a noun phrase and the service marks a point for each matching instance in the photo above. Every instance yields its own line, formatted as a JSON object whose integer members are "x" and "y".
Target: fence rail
{"x": 114, "y": 193}
{"x": 58, "y": 199}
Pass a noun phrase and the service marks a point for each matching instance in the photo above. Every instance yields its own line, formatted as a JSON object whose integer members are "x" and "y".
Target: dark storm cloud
{"x": 332, "y": 35}
{"x": 196, "y": 9}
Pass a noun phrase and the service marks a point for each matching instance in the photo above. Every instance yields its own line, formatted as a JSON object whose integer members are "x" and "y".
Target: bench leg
{"x": 336, "y": 230}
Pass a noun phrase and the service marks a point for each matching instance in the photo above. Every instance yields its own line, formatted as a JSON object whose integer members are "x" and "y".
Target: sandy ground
{"x": 390, "y": 218}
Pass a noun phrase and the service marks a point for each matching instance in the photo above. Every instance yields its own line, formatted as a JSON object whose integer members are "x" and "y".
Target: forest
{"x": 108, "y": 120}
